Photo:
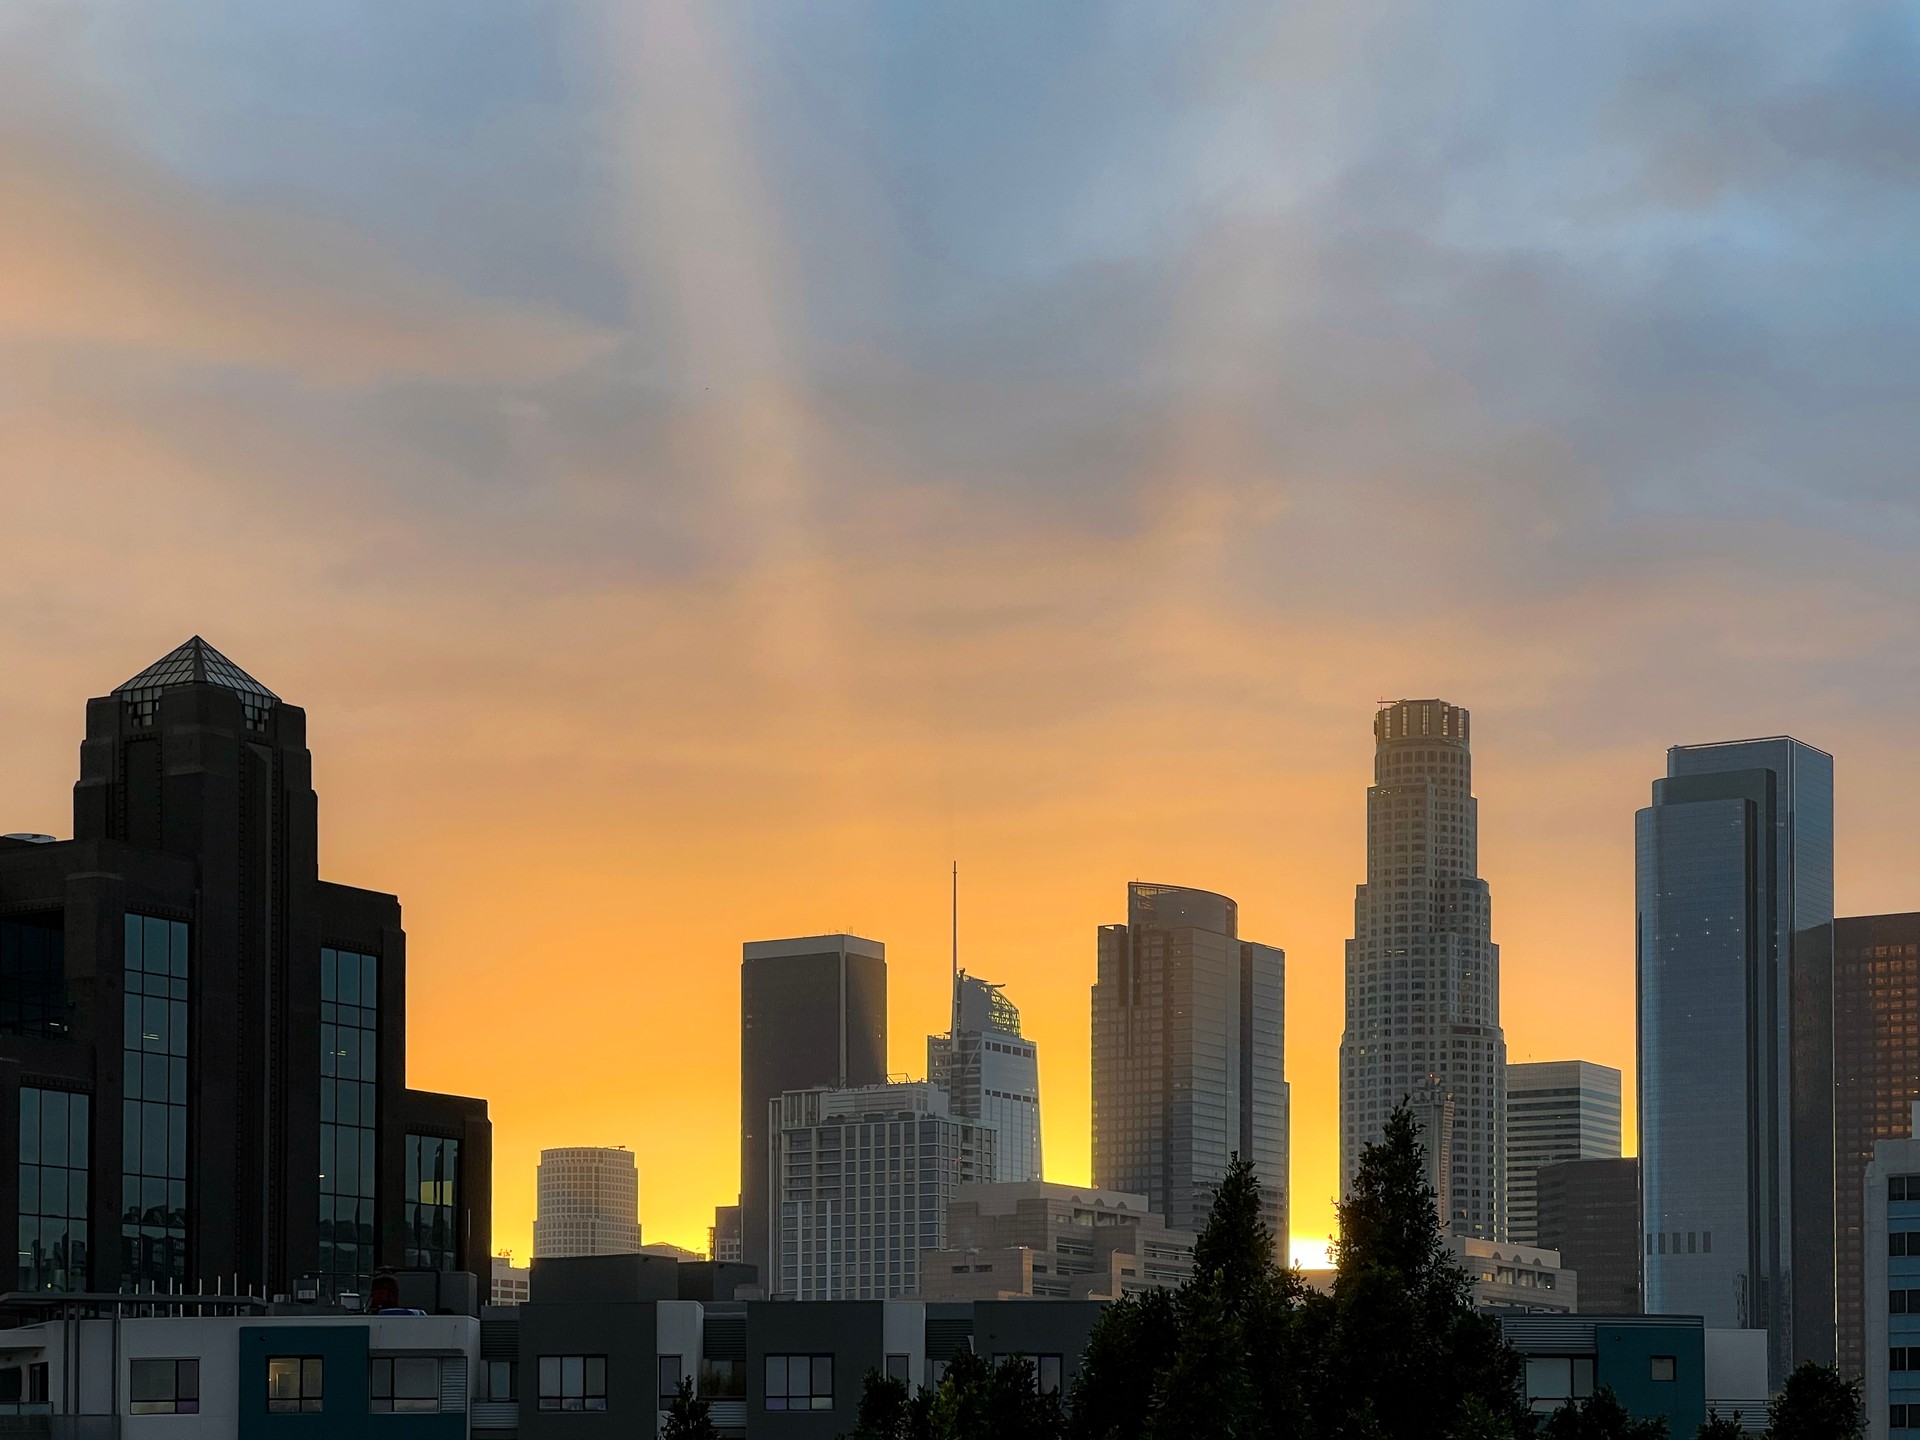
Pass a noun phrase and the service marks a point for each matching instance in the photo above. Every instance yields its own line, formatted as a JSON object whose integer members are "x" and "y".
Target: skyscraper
{"x": 205, "y": 1040}
{"x": 991, "y": 1073}
{"x": 1556, "y": 1110}
{"x": 1188, "y": 1055}
{"x": 813, "y": 1013}
{"x": 1423, "y": 973}
{"x": 589, "y": 1203}
{"x": 863, "y": 1178}
{"x": 1589, "y": 1211}
{"x": 1876, "y": 1079}
{"x": 1734, "y": 960}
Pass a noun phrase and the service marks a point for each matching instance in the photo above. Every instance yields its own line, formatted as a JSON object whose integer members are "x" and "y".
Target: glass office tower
{"x": 1423, "y": 973}
{"x": 1734, "y": 960}
{"x": 991, "y": 1073}
{"x": 1188, "y": 1056}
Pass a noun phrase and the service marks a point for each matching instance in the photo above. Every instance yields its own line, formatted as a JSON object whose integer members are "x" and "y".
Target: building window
{"x": 349, "y": 1116}
{"x": 54, "y": 1139}
{"x": 1046, "y": 1371}
{"x": 1901, "y": 1243}
{"x": 900, "y": 1367}
{"x": 163, "y": 1387}
{"x": 1903, "y": 1187}
{"x": 723, "y": 1379}
{"x": 404, "y": 1385}
{"x": 1661, "y": 1367}
{"x": 433, "y": 1169}
{"x": 670, "y": 1371}
{"x": 573, "y": 1382}
{"x": 501, "y": 1378}
{"x": 295, "y": 1383}
{"x": 799, "y": 1382}
{"x": 1904, "y": 1357}
{"x": 1553, "y": 1380}
{"x": 153, "y": 1119}
{"x": 33, "y": 976}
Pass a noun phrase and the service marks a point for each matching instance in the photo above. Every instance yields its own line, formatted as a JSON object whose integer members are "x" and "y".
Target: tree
{"x": 887, "y": 1412}
{"x": 688, "y": 1417}
{"x": 1132, "y": 1344}
{"x": 1721, "y": 1427}
{"x": 1817, "y": 1403}
{"x": 1600, "y": 1416}
{"x": 1405, "y": 1342}
{"x": 975, "y": 1400}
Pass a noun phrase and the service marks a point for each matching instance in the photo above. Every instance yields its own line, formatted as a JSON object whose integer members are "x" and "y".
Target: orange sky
{"x": 703, "y": 477}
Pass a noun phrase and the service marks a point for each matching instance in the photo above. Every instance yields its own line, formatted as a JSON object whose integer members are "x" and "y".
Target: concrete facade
{"x": 1557, "y": 1110}
{"x": 1010, "y": 1241}
{"x": 589, "y": 1203}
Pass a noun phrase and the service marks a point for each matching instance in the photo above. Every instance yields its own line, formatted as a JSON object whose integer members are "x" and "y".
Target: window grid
{"x": 799, "y": 1382}
{"x": 54, "y": 1136}
{"x": 153, "y": 1135}
{"x": 295, "y": 1384}
{"x": 433, "y": 1170}
{"x": 573, "y": 1382}
{"x": 349, "y": 1115}
{"x": 163, "y": 1387}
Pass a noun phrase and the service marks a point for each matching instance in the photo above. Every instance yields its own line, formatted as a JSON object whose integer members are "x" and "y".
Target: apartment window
{"x": 1903, "y": 1187}
{"x": 1904, "y": 1357}
{"x": 1661, "y": 1367}
{"x": 295, "y": 1383}
{"x": 404, "y": 1385}
{"x": 900, "y": 1367}
{"x": 1901, "y": 1243}
{"x": 723, "y": 1379}
{"x": 163, "y": 1387}
{"x": 1553, "y": 1380}
{"x": 501, "y": 1375}
{"x": 670, "y": 1373}
{"x": 799, "y": 1382}
{"x": 573, "y": 1382}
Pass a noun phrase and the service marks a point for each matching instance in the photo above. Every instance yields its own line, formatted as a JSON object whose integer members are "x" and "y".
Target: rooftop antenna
{"x": 954, "y": 1023}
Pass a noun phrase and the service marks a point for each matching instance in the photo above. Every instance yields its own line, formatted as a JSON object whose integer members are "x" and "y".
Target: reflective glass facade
{"x": 349, "y": 1111}
{"x": 1188, "y": 1055}
{"x": 991, "y": 1073}
{"x": 54, "y": 1135}
{"x": 433, "y": 1174}
{"x": 1734, "y": 864}
{"x": 153, "y": 1116}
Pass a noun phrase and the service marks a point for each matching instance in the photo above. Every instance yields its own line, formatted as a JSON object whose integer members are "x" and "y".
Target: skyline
{"x": 682, "y": 541}
{"x": 687, "y": 1193}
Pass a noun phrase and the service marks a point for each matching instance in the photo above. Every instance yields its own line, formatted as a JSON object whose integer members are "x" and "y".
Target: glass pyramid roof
{"x": 197, "y": 663}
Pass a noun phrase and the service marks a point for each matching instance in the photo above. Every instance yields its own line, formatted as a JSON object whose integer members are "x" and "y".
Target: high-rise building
{"x": 1188, "y": 1055}
{"x": 723, "y": 1236}
{"x": 510, "y": 1282}
{"x": 202, "y": 1043}
{"x": 589, "y": 1203}
{"x": 813, "y": 1014}
{"x": 1734, "y": 962}
{"x": 864, "y": 1178}
{"x": 1890, "y": 1304}
{"x": 991, "y": 1073}
{"x": 1876, "y": 1079}
{"x": 1556, "y": 1110}
{"x": 1589, "y": 1212}
{"x": 1423, "y": 973}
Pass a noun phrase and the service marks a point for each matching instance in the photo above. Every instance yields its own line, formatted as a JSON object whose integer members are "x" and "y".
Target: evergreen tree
{"x": 1817, "y": 1403}
{"x": 1600, "y": 1416}
{"x": 1404, "y": 1334}
{"x": 688, "y": 1417}
{"x": 1132, "y": 1344}
{"x": 1721, "y": 1427}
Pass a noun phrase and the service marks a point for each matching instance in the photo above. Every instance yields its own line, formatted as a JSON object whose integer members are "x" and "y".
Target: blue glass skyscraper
{"x": 1734, "y": 968}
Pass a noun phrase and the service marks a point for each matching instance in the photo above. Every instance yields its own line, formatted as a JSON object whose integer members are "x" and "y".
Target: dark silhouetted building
{"x": 203, "y": 1062}
{"x": 1876, "y": 1079}
{"x": 1734, "y": 968}
{"x": 1589, "y": 1210}
{"x": 1423, "y": 973}
{"x": 1188, "y": 1055}
{"x": 1556, "y": 1110}
{"x": 813, "y": 1014}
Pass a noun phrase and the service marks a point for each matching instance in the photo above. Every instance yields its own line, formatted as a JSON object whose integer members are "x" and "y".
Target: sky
{"x": 706, "y": 468}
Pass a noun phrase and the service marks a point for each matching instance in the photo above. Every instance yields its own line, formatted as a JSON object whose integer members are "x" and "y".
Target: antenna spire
{"x": 955, "y": 1023}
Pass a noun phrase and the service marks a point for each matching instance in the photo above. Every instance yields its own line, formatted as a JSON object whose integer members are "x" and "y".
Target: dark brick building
{"x": 203, "y": 1043}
